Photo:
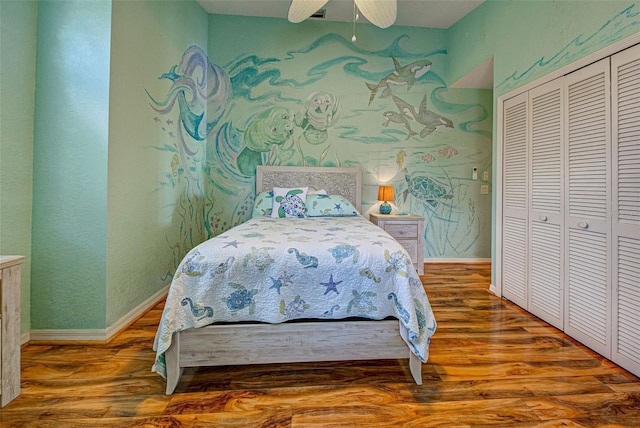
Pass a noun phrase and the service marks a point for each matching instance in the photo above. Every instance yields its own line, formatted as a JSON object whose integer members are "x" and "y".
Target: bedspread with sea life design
{"x": 277, "y": 270}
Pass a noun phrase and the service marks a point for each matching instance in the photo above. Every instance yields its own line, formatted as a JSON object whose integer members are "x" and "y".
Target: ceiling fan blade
{"x": 299, "y": 10}
{"x": 381, "y": 13}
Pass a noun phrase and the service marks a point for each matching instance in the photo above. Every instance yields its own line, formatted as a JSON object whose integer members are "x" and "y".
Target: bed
{"x": 322, "y": 284}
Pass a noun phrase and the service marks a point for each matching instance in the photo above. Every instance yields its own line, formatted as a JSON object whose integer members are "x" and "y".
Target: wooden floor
{"x": 490, "y": 364}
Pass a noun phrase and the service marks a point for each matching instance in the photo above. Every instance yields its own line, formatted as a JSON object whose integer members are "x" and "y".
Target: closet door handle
{"x": 543, "y": 218}
{"x": 583, "y": 225}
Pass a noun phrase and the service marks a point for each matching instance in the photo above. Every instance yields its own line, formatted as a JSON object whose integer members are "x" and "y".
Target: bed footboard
{"x": 234, "y": 344}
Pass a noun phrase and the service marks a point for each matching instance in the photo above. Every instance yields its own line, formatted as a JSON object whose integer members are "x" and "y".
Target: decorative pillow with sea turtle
{"x": 289, "y": 202}
{"x": 317, "y": 204}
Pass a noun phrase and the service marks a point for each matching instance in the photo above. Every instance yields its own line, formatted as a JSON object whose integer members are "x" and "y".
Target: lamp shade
{"x": 385, "y": 193}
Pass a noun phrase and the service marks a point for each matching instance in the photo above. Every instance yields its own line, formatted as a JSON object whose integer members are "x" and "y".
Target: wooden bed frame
{"x": 292, "y": 342}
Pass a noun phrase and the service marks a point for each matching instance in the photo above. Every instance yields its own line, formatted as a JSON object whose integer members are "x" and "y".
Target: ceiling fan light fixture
{"x": 299, "y": 10}
{"x": 381, "y": 13}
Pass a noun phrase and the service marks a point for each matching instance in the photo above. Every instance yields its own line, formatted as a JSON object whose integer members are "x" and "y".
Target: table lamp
{"x": 385, "y": 194}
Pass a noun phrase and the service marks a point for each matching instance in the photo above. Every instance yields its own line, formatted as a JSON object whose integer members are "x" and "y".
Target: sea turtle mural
{"x": 425, "y": 188}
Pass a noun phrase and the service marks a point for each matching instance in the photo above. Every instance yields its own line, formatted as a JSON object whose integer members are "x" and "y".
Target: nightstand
{"x": 9, "y": 328}
{"x": 408, "y": 230}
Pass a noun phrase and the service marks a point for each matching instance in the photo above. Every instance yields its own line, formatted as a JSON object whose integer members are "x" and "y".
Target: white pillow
{"x": 289, "y": 202}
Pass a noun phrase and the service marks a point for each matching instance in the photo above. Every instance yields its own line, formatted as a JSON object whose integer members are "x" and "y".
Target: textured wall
{"x": 17, "y": 97}
{"x": 153, "y": 219}
{"x": 529, "y": 39}
{"x": 70, "y": 165}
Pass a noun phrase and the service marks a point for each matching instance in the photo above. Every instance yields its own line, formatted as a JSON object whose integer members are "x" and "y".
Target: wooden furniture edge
{"x": 292, "y": 342}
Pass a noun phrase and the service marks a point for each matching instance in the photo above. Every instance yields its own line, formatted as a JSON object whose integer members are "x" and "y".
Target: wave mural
{"x": 579, "y": 47}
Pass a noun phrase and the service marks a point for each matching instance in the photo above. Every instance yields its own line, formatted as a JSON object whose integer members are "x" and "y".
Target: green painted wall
{"x": 70, "y": 165}
{"x": 529, "y": 39}
{"x": 272, "y": 63}
{"x": 106, "y": 234}
{"x": 149, "y": 229}
{"x": 17, "y": 98}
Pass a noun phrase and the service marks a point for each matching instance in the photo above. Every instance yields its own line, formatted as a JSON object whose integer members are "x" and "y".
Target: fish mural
{"x": 400, "y": 76}
{"x": 428, "y": 158}
{"x": 448, "y": 151}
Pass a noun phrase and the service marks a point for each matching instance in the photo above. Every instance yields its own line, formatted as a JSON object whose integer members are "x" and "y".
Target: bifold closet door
{"x": 587, "y": 213}
{"x": 515, "y": 200}
{"x": 625, "y": 87}
{"x": 546, "y": 218}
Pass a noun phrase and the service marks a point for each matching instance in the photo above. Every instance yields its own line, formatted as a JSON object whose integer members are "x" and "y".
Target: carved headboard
{"x": 336, "y": 181}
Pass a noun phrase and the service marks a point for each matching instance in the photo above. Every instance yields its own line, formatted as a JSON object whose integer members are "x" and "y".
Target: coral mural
{"x": 391, "y": 118}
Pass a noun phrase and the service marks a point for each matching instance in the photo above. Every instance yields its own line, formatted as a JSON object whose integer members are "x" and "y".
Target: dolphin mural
{"x": 425, "y": 117}
{"x": 406, "y": 75}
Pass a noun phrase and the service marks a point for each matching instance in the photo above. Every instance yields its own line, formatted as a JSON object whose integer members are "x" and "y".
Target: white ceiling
{"x": 414, "y": 13}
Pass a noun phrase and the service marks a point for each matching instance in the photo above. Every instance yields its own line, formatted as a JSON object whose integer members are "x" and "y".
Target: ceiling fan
{"x": 381, "y": 13}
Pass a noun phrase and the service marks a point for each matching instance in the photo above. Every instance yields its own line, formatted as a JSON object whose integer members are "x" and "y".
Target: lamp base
{"x": 385, "y": 208}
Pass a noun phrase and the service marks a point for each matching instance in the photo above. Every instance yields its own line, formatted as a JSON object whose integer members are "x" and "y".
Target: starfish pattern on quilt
{"x": 331, "y": 285}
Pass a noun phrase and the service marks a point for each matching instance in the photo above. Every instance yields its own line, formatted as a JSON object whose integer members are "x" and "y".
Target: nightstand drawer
{"x": 399, "y": 230}
{"x": 412, "y": 248}
{"x": 408, "y": 230}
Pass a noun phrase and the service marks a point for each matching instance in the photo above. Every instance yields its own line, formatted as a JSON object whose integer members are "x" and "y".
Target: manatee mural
{"x": 271, "y": 127}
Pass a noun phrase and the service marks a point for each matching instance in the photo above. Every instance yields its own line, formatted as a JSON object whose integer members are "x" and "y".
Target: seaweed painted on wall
{"x": 188, "y": 112}
{"x": 328, "y": 103}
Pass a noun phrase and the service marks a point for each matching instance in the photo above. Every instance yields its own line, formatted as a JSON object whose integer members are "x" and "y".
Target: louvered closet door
{"x": 625, "y": 70}
{"x": 587, "y": 223}
{"x": 515, "y": 208}
{"x": 546, "y": 218}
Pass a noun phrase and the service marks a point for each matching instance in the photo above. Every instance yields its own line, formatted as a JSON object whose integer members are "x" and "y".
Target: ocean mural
{"x": 578, "y": 47}
{"x": 328, "y": 103}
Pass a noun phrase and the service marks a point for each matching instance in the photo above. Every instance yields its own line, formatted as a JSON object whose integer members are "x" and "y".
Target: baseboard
{"x": 461, "y": 261}
{"x": 492, "y": 289}
{"x": 95, "y": 335}
{"x": 67, "y": 336}
{"x": 136, "y": 313}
